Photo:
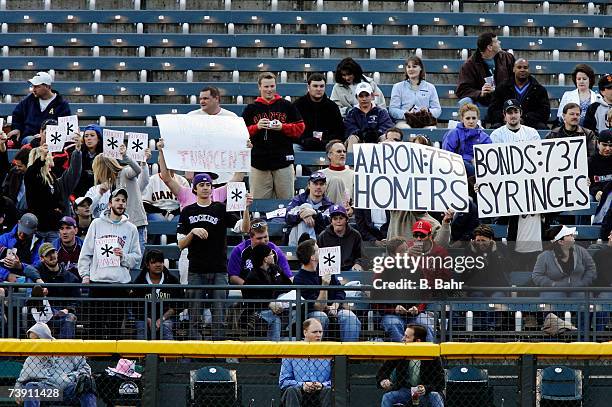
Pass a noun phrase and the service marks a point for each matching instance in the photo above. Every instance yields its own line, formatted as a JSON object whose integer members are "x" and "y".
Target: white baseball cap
{"x": 565, "y": 231}
{"x": 41, "y": 78}
{"x": 363, "y": 87}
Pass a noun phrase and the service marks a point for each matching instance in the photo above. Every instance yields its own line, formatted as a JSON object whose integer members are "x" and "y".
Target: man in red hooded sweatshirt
{"x": 274, "y": 125}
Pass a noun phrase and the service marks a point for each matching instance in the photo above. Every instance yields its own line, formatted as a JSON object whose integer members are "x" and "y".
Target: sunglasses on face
{"x": 419, "y": 235}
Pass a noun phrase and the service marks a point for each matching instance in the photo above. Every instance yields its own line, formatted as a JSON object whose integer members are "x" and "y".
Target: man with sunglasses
{"x": 241, "y": 261}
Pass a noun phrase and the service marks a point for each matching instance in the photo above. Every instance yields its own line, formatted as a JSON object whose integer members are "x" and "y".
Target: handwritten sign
{"x": 329, "y": 260}
{"x": 532, "y": 177}
{"x": 104, "y": 252}
{"x": 112, "y": 139}
{"x": 69, "y": 126}
{"x": 55, "y": 138}
{"x": 137, "y": 143}
{"x": 205, "y": 143}
{"x": 409, "y": 177}
{"x": 236, "y": 196}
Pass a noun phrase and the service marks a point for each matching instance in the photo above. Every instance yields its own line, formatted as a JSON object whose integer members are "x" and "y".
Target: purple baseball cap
{"x": 67, "y": 220}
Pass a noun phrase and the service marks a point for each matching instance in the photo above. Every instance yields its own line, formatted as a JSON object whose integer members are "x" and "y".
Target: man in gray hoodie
{"x": 49, "y": 373}
{"x": 110, "y": 250}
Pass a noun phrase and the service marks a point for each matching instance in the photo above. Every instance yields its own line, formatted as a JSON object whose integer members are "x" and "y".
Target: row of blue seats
{"x": 393, "y": 18}
{"x": 300, "y": 41}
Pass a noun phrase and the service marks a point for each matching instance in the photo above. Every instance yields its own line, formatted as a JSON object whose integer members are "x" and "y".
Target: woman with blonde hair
{"x": 47, "y": 196}
{"x": 109, "y": 175}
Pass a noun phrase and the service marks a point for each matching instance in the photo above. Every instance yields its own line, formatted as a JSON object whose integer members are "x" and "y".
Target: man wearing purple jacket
{"x": 240, "y": 262}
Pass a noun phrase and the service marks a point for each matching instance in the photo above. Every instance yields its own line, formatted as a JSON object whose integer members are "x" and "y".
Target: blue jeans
{"x": 156, "y": 217}
{"x": 350, "y": 326}
{"x": 85, "y": 400}
{"x": 395, "y": 325}
{"x": 403, "y": 395}
{"x": 142, "y": 240}
{"x": 195, "y": 308}
{"x": 274, "y": 324}
{"x": 66, "y": 323}
{"x": 142, "y": 330}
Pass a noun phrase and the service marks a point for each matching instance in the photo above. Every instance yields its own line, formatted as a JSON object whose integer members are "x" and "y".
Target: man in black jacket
{"x": 322, "y": 118}
{"x": 532, "y": 97}
{"x": 421, "y": 380}
{"x": 340, "y": 233}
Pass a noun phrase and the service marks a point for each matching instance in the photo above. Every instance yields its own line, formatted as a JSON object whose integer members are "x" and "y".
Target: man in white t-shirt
{"x": 513, "y": 131}
{"x": 210, "y": 103}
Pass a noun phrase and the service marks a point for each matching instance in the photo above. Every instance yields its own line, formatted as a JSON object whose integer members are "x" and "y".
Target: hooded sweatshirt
{"x": 52, "y": 371}
{"x": 595, "y": 118}
{"x": 126, "y": 236}
{"x": 350, "y": 246}
{"x": 273, "y": 149}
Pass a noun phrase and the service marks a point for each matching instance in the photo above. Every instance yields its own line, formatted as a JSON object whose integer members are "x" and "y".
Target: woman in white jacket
{"x": 583, "y": 77}
{"x": 348, "y": 75}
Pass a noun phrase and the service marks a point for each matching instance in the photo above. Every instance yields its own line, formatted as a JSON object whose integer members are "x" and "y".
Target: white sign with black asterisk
{"x": 236, "y": 196}
{"x": 55, "y": 138}
{"x": 329, "y": 260}
{"x": 105, "y": 252}
{"x": 69, "y": 126}
{"x": 137, "y": 143}
{"x": 112, "y": 140}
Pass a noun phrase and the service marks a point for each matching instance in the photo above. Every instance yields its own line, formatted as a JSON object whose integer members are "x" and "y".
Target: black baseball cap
{"x": 512, "y": 104}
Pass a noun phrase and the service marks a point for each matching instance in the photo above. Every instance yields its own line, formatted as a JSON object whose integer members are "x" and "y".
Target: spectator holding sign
{"x": 48, "y": 197}
{"x": 340, "y": 233}
{"x": 571, "y": 128}
{"x": 514, "y": 131}
{"x": 340, "y": 177}
{"x": 274, "y": 124}
{"x": 110, "y": 250}
{"x": 210, "y": 103}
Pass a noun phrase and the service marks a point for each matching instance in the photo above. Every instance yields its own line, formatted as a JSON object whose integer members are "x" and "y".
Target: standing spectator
{"x": 532, "y": 97}
{"x": 68, "y": 245}
{"x": 157, "y": 275}
{"x": 340, "y": 233}
{"x": 306, "y": 382}
{"x": 366, "y": 122}
{"x": 347, "y": 76}
{"x": 603, "y": 265}
{"x": 13, "y": 186}
{"x": 159, "y": 202}
{"x": 106, "y": 316}
{"x": 82, "y": 211}
{"x": 487, "y": 67}
{"x": 308, "y": 211}
{"x": 241, "y": 259}
{"x": 570, "y": 128}
{"x": 61, "y": 159}
{"x": 210, "y": 103}
{"x": 24, "y": 243}
{"x": 583, "y": 77}
{"x": 397, "y": 377}
{"x": 322, "y": 118}
{"x": 340, "y": 177}
{"x": 92, "y": 140}
{"x": 401, "y": 223}
{"x": 48, "y": 197}
{"x": 324, "y": 301}
{"x": 514, "y": 131}
{"x": 274, "y": 125}
{"x": 413, "y": 97}
{"x": 596, "y": 118}
{"x": 462, "y": 139}
{"x": 600, "y": 165}
{"x": 204, "y": 227}
{"x": 43, "y": 103}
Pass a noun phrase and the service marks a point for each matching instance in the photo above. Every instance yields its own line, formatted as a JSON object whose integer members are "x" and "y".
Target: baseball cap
{"x": 605, "y": 136}
{"x": 512, "y": 104}
{"x": 40, "y": 78}
{"x": 565, "y": 231}
{"x": 82, "y": 199}
{"x": 67, "y": 220}
{"x": 317, "y": 176}
{"x": 605, "y": 82}
{"x": 422, "y": 226}
{"x": 28, "y": 223}
{"x": 363, "y": 87}
{"x": 119, "y": 191}
{"x": 45, "y": 248}
{"x": 337, "y": 210}
{"x": 202, "y": 177}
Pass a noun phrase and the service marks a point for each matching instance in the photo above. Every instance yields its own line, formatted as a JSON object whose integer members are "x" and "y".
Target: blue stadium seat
{"x": 560, "y": 383}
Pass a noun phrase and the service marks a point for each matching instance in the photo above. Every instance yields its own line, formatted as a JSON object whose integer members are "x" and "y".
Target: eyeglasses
{"x": 419, "y": 235}
{"x": 258, "y": 225}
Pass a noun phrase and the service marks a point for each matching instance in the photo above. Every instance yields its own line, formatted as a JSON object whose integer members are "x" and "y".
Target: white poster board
{"x": 55, "y": 138}
{"x": 205, "y": 143}
{"x": 329, "y": 260}
{"x": 112, "y": 139}
{"x": 69, "y": 126}
{"x": 236, "y": 196}
{"x": 409, "y": 177}
{"x": 137, "y": 143}
{"x": 104, "y": 252}
{"x": 532, "y": 177}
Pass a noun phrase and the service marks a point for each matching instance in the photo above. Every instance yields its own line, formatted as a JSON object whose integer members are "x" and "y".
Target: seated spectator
{"x": 372, "y": 224}
{"x": 340, "y": 177}
{"x": 210, "y": 103}
{"x": 398, "y": 377}
{"x": 603, "y": 265}
{"x": 160, "y": 203}
{"x": 462, "y": 139}
{"x": 570, "y": 128}
{"x": 24, "y": 243}
{"x": 514, "y": 131}
{"x": 402, "y": 222}
{"x": 82, "y": 211}
{"x": 323, "y": 301}
{"x": 8, "y": 212}
{"x": 308, "y": 211}
{"x": 347, "y": 76}
{"x": 92, "y": 141}
{"x": 393, "y": 135}
{"x": 266, "y": 272}
{"x": 366, "y": 122}
{"x": 156, "y": 275}
{"x": 463, "y": 224}
{"x": 532, "y": 97}
{"x": 414, "y": 101}
{"x": 60, "y": 315}
{"x": 596, "y": 118}
{"x": 13, "y": 186}
{"x": 306, "y": 382}
{"x": 322, "y": 118}
{"x": 600, "y": 165}
{"x": 240, "y": 263}
{"x": 68, "y": 246}
{"x": 340, "y": 233}
{"x": 583, "y": 77}
{"x": 42, "y": 104}
{"x": 69, "y": 374}
{"x": 488, "y": 66}
{"x": 563, "y": 264}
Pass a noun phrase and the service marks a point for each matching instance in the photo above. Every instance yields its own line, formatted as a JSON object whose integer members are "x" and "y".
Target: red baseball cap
{"x": 421, "y": 226}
